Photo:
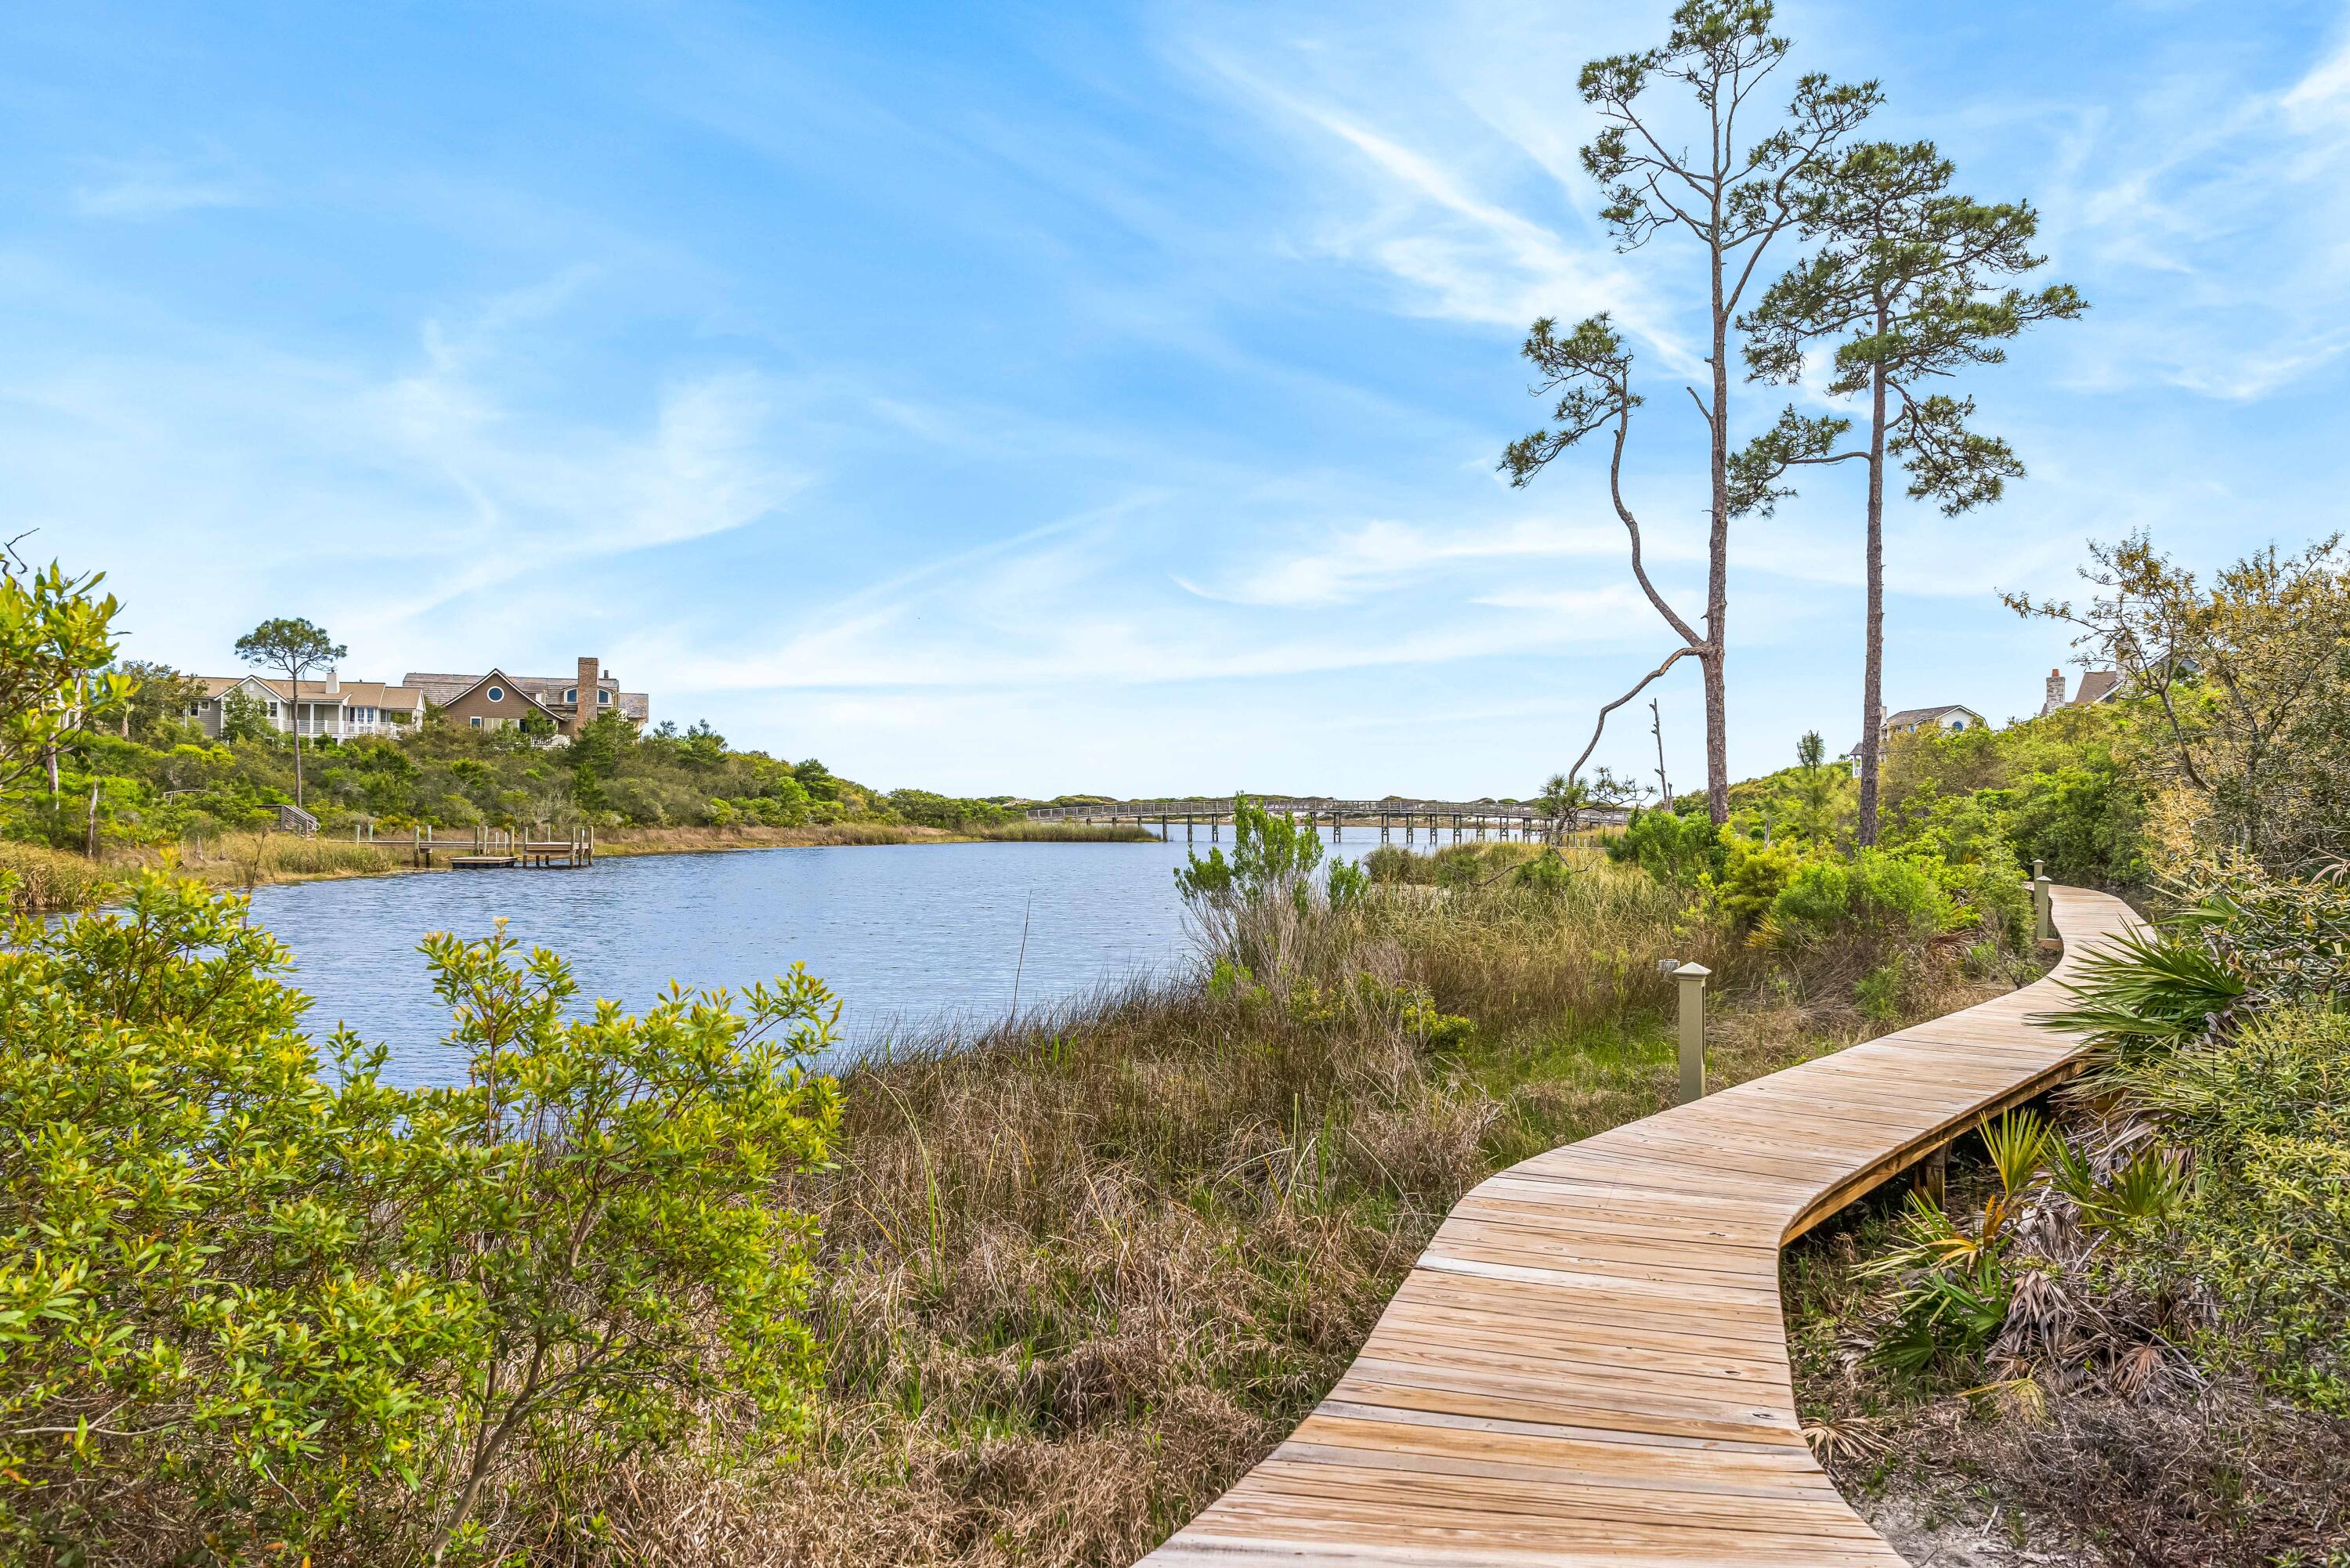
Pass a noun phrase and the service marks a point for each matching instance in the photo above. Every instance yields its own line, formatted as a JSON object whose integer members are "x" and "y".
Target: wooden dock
{"x": 485, "y": 848}
{"x": 1588, "y": 1366}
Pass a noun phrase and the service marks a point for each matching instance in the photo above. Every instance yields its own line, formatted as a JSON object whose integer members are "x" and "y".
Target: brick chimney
{"x": 585, "y": 713}
{"x": 2055, "y": 691}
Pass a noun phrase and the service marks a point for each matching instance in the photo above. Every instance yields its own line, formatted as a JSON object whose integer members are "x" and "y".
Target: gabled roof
{"x": 2096, "y": 685}
{"x": 546, "y": 689}
{"x": 1909, "y": 716}
{"x": 504, "y": 679}
{"x": 353, "y": 693}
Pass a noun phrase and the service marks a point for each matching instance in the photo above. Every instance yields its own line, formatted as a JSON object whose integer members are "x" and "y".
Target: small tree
{"x": 159, "y": 695}
{"x": 293, "y": 648}
{"x": 244, "y": 717}
{"x": 2250, "y": 679}
{"x": 56, "y": 637}
{"x": 1905, "y": 282}
{"x": 1735, "y": 195}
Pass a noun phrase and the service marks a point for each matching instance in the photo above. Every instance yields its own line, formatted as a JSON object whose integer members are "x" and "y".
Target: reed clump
{"x": 1067, "y": 833}
{"x": 40, "y": 880}
{"x": 618, "y": 842}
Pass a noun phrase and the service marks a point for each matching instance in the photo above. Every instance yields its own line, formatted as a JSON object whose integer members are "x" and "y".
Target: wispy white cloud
{"x": 406, "y": 494}
{"x": 1427, "y": 165}
{"x": 1384, "y": 557}
{"x": 2212, "y": 215}
{"x": 159, "y": 188}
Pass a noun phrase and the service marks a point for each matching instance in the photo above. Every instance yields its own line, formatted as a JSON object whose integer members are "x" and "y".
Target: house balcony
{"x": 339, "y": 729}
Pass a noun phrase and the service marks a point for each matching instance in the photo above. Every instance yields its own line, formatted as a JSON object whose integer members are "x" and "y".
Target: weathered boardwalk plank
{"x": 1587, "y": 1368}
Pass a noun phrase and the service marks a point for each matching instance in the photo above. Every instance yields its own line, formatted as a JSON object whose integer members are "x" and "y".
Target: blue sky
{"x": 1022, "y": 399}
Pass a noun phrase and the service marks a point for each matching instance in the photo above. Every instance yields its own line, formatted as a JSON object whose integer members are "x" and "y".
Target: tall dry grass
{"x": 41, "y": 880}
{"x": 624, "y": 841}
{"x": 1080, "y": 1272}
{"x": 1067, "y": 833}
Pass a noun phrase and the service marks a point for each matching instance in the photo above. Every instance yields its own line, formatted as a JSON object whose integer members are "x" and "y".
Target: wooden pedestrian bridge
{"x": 1467, "y": 819}
{"x": 1587, "y": 1368}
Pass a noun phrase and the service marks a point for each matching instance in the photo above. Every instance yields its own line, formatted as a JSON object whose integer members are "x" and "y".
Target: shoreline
{"x": 278, "y": 859}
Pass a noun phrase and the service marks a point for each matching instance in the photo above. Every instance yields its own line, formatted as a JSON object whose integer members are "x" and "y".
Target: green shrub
{"x": 1544, "y": 874}
{"x": 1271, "y": 855}
{"x": 1672, "y": 849}
{"x": 1892, "y": 895}
{"x": 1878, "y": 992}
{"x": 247, "y": 1301}
{"x": 2266, "y": 1227}
{"x": 1800, "y": 897}
{"x": 926, "y": 809}
{"x": 1903, "y": 893}
{"x": 1754, "y": 876}
{"x": 2087, "y": 824}
{"x": 47, "y": 880}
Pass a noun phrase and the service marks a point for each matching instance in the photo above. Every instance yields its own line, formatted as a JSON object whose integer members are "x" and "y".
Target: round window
{"x": 497, "y": 695}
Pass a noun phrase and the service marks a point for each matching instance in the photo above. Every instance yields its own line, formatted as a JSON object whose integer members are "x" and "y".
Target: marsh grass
{"x": 1082, "y": 1269}
{"x": 44, "y": 881}
{"x": 1067, "y": 833}
{"x": 619, "y": 842}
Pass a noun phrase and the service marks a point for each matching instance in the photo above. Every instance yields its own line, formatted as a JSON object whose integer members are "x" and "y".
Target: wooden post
{"x": 2043, "y": 910}
{"x": 1690, "y": 978}
{"x": 1932, "y": 1175}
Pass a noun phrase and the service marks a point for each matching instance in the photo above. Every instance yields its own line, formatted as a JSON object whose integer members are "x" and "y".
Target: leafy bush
{"x": 926, "y": 809}
{"x": 1271, "y": 855}
{"x": 1755, "y": 875}
{"x": 1670, "y": 847}
{"x": 247, "y": 1301}
{"x": 1809, "y": 898}
{"x": 2267, "y": 1228}
{"x": 1877, "y": 890}
{"x": 2085, "y": 822}
{"x": 1544, "y": 874}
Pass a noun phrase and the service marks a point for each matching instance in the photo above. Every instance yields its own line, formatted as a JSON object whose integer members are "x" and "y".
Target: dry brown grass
{"x": 1067, "y": 833}
{"x": 41, "y": 880}
{"x": 624, "y": 841}
{"x": 1080, "y": 1272}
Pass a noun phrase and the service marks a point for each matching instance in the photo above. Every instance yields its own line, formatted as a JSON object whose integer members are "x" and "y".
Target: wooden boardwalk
{"x": 1588, "y": 1366}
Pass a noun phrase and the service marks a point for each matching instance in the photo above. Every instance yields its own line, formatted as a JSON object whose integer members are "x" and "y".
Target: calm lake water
{"x": 910, "y": 937}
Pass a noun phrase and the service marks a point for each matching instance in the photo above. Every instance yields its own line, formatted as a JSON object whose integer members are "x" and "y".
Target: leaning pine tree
{"x": 1905, "y": 285}
{"x": 1732, "y": 188}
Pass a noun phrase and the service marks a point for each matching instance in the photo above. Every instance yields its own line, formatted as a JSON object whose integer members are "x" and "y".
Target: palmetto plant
{"x": 1959, "y": 1283}
{"x": 2150, "y": 991}
{"x": 1995, "y": 1281}
{"x": 2150, "y": 1186}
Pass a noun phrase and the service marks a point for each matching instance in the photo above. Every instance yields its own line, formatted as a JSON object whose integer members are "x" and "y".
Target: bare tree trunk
{"x": 1717, "y": 577}
{"x": 293, "y": 722}
{"x": 1656, "y": 728}
{"x": 1872, "y": 677}
{"x": 90, "y": 847}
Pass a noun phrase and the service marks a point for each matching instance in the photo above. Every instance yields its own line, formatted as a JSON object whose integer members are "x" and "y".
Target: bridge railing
{"x": 1211, "y": 808}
